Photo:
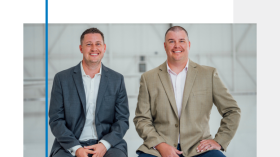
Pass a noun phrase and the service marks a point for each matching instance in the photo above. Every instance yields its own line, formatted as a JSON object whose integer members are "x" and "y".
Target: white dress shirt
{"x": 91, "y": 86}
{"x": 178, "y": 83}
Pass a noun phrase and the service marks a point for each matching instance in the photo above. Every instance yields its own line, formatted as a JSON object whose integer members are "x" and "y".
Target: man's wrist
{"x": 157, "y": 145}
{"x": 218, "y": 142}
{"x": 222, "y": 149}
{"x": 106, "y": 144}
{"x": 74, "y": 149}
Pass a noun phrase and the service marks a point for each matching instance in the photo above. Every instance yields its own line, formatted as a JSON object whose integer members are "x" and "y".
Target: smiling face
{"x": 92, "y": 48}
{"x": 177, "y": 46}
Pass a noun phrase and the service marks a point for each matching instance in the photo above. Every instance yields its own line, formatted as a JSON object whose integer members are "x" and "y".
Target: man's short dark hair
{"x": 175, "y": 29}
{"x": 91, "y": 30}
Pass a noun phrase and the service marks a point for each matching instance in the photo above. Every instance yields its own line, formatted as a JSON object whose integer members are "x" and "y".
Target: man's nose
{"x": 93, "y": 47}
{"x": 176, "y": 44}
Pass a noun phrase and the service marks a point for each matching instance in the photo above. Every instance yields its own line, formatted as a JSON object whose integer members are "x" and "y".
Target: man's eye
{"x": 171, "y": 41}
{"x": 182, "y": 41}
{"x": 88, "y": 44}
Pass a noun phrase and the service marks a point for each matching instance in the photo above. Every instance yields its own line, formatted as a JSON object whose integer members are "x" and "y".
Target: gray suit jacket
{"x": 68, "y": 107}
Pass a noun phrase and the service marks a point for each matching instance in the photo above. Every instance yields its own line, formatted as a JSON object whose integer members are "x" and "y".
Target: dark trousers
{"x": 211, "y": 153}
{"x": 112, "y": 152}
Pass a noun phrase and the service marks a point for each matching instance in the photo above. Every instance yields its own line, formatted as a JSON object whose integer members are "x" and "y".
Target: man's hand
{"x": 208, "y": 145}
{"x": 166, "y": 150}
{"x": 81, "y": 152}
{"x": 99, "y": 149}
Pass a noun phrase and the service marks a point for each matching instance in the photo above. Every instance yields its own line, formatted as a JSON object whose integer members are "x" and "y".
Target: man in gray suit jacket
{"x": 89, "y": 107}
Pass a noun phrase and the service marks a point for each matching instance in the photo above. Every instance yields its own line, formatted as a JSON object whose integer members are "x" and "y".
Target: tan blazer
{"x": 156, "y": 116}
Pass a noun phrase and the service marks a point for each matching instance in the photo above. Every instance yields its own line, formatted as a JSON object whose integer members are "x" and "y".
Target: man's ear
{"x": 80, "y": 47}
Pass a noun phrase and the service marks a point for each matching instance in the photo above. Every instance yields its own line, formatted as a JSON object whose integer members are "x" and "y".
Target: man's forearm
{"x": 121, "y": 116}
{"x": 228, "y": 109}
{"x": 57, "y": 122}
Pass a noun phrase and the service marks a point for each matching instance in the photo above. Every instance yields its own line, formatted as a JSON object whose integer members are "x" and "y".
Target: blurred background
{"x": 131, "y": 50}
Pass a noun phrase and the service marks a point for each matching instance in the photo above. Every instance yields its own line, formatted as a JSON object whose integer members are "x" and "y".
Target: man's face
{"x": 177, "y": 46}
{"x": 92, "y": 48}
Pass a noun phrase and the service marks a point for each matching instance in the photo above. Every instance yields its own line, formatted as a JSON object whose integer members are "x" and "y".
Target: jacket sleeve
{"x": 228, "y": 109}
{"x": 143, "y": 119}
{"x": 57, "y": 120}
{"x": 121, "y": 124}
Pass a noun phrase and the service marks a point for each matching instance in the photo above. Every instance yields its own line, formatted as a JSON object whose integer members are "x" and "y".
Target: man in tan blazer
{"x": 174, "y": 105}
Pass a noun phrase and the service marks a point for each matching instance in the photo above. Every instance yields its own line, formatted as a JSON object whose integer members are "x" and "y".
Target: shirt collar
{"x": 186, "y": 67}
{"x": 84, "y": 73}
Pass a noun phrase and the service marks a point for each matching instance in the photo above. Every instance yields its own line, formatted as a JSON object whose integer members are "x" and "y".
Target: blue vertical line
{"x": 46, "y": 80}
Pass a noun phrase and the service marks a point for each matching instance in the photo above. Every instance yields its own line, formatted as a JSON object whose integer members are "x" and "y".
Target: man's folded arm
{"x": 56, "y": 114}
{"x": 143, "y": 119}
{"x": 228, "y": 109}
{"x": 121, "y": 124}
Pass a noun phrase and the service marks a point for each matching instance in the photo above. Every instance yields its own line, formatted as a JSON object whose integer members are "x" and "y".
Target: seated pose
{"x": 89, "y": 107}
{"x": 174, "y": 105}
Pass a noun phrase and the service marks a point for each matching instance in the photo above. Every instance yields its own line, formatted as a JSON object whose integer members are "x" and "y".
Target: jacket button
{"x": 176, "y": 125}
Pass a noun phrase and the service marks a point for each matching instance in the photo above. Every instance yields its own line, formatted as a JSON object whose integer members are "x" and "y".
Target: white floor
{"x": 243, "y": 144}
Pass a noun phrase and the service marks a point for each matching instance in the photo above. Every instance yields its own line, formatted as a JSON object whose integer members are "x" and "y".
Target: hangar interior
{"x": 131, "y": 50}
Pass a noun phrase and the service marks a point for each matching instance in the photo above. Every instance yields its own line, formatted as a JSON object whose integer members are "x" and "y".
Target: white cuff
{"x": 74, "y": 149}
{"x": 106, "y": 144}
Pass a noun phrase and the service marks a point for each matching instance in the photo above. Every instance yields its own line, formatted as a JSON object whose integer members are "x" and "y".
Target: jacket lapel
{"x": 166, "y": 83}
{"x": 77, "y": 76}
{"x": 102, "y": 87}
{"x": 191, "y": 74}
